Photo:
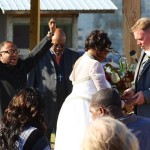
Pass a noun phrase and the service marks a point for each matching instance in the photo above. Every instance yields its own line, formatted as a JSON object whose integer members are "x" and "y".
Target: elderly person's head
{"x": 106, "y": 133}
{"x": 98, "y": 43}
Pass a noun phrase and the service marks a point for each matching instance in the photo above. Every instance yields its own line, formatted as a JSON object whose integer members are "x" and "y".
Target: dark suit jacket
{"x": 44, "y": 78}
{"x": 142, "y": 83}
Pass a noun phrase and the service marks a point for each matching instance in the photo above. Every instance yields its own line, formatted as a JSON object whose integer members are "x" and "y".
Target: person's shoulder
{"x": 71, "y": 50}
{"x": 36, "y": 139}
{"x": 20, "y": 63}
{"x": 140, "y": 122}
{"x": 144, "y": 120}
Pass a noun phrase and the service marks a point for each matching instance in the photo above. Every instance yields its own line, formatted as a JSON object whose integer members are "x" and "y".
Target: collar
{"x": 7, "y": 65}
{"x": 52, "y": 52}
{"x": 89, "y": 55}
{"x": 128, "y": 118}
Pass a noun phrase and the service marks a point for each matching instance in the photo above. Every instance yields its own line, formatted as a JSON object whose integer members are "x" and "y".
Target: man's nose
{"x": 58, "y": 47}
{"x": 138, "y": 43}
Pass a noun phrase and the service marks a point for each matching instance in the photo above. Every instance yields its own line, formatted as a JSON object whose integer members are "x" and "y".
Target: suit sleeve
{"x": 37, "y": 53}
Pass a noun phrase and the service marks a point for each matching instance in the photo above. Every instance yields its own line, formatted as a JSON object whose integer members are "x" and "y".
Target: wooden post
{"x": 75, "y": 31}
{"x": 131, "y": 13}
{"x": 34, "y": 23}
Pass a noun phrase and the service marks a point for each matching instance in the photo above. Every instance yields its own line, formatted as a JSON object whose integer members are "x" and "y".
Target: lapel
{"x": 51, "y": 64}
{"x": 66, "y": 61}
{"x": 49, "y": 55}
{"x": 145, "y": 66}
{"x": 144, "y": 63}
{"x": 138, "y": 66}
{"x": 69, "y": 62}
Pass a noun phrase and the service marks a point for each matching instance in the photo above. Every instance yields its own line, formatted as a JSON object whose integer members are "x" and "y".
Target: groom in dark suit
{"x": 139, "y": 93}
{"x": 51, "y": 77}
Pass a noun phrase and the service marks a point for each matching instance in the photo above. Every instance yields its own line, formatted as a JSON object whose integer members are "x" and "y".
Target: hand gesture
{"x": 52, "y": 25}
{"x": 127, "y": 97}
{"x": 139, "y": 98}
{"x": 127, "y": 94}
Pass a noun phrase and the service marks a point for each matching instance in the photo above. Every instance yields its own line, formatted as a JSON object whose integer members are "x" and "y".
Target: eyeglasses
{"x": 60, "y": 46}
{"x": 11, "y": 51}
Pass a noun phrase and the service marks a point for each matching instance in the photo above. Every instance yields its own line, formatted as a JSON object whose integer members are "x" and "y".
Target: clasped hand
{"x": 131, "y": 99}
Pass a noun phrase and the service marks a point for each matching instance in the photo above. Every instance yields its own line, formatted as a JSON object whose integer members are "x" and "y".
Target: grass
{"x": 52, "y": 140}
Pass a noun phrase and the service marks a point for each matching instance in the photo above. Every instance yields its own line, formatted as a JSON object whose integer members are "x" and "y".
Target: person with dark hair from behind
{"x": 87, "y": 77}
{"x": 107, "y": 102}
{"x": 22, "y": 126}
{"x": 106, "y": 133}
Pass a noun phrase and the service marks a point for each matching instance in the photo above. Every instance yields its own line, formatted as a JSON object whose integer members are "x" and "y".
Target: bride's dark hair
{"x": 25, "y": 109}
{"x": 97, "y": 40}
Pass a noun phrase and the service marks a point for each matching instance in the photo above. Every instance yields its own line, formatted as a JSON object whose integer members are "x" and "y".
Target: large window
{"x": 18, "y": 31}
{"x": 21, "y": 34}
{"x": 66, "y": 28}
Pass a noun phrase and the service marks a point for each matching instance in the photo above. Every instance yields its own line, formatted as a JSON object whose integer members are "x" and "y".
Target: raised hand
{"x": 52, "y": 25}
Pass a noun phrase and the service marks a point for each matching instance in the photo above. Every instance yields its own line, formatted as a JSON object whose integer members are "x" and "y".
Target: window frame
{"x": 70, "y": 21}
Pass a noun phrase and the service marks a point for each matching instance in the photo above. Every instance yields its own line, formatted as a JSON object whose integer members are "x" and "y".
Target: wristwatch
{"x": 50, "y": 33}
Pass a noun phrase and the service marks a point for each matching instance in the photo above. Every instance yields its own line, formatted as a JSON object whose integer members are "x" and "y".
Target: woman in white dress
{"x": 87, "y": 77}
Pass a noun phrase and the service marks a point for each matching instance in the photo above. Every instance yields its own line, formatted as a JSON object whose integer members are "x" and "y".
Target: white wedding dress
{"x": 87, "y": 78}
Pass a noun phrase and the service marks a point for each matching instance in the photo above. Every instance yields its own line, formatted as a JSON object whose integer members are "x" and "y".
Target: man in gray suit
{"x": 139, "y": 93}
{"x": 51, "y": 77}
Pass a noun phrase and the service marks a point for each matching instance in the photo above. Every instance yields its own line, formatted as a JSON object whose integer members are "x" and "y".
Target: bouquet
{"x": 121, "y": 75}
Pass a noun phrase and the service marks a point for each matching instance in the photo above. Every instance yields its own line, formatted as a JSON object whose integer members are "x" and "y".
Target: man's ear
{"x": 102, "y": 111}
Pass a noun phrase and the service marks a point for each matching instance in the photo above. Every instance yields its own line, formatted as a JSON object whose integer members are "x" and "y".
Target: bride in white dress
{"x": 87, "y": 77}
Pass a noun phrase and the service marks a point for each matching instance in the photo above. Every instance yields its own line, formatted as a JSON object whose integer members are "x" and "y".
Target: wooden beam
{"x": 34, "y": 23}
{"x": 60, "y": 12}
{"x": 131, "y": 13}
{"x": 46, "y": 15}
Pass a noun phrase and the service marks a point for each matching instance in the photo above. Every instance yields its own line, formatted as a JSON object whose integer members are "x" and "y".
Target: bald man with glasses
{"x": 51, "y": 77}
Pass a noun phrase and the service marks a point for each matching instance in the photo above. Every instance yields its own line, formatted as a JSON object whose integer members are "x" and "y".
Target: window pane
{"x": 68, "y": 31}
{"x": 66, "y": 28}
{"x": 43, "y": 31}
{"x": 21, "y": 35}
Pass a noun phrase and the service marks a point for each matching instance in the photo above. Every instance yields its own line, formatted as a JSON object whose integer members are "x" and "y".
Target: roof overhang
{"x": 19, "y": 12}
{"x": 59, "y": 6}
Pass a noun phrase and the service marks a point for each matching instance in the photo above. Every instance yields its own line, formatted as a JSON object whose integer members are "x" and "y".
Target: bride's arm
{"x": 98, "y": 76}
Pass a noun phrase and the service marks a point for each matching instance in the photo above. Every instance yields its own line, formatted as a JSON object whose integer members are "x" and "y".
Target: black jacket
{"x": 44, "y": 77}
{"x": 14, "y": 78}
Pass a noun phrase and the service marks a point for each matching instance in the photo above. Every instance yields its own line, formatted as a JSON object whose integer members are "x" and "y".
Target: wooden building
{"x": 15, "y": 18}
